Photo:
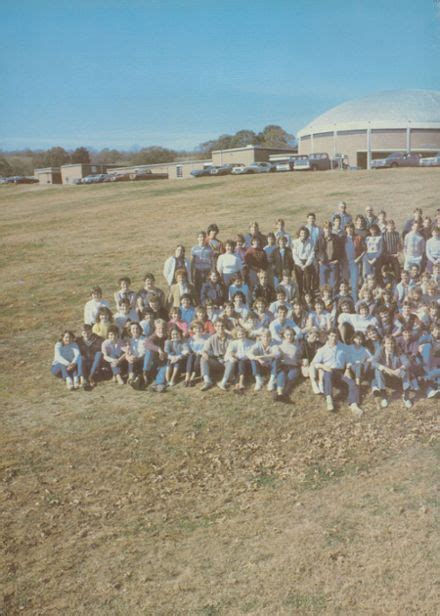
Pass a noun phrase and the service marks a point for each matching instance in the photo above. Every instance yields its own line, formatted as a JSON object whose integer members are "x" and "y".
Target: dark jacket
{"x": 282, "y": 262}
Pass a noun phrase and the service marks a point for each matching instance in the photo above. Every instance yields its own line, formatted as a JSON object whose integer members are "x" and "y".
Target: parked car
{"x": 21, "y": 179}
{"x": 199, "y": 173}
{"x": 430, "y": 161}
{"x": 253, "y": 168}
{"x": 285, "y": 164}
{"x": 120, "y": 177}
{"x": 90, "y": 179}
{"x": 313, "y": 162}
{"x": 225, "y": 169}
{"x": 397, "y": 159}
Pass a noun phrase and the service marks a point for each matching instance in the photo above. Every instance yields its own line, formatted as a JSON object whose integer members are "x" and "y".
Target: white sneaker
{"x": 259, "y": 382}
{"x": 431, "y": 393}
{"x": 75, "y": 382}
{"x": 315, "y": 387}
{"x": 271, "y": 384}
{"x": 69, "y": 383}
{"x": 222, "y": 385}
{"x": 329, "y": 402}
{"x": 407, "y": 403}
{"x": 356, "y": 410}
{"x": 384, "y": 403}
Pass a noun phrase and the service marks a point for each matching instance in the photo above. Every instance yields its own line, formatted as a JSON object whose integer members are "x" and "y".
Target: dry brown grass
{"x": 121, "y": 502}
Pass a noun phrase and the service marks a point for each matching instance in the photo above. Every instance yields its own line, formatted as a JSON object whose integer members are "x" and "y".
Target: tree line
{"x": 23, "y": 162}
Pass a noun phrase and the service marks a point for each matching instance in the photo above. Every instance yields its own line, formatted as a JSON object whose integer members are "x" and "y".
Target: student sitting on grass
{"x": 196, "y": 344}
{"x": 264, "y": 355}
{"x": 289, "y": 365}
{"x": 236, "y": 360}
{"x": 155, "y": 366}
{"x": 67, "y": 360}
{"x": 135, "y": 354}
{"x": 177, "y": 351}
{"x": 213, "y": 355}
{"x": 113, "y": 352}
{"x": 89, "y": 345}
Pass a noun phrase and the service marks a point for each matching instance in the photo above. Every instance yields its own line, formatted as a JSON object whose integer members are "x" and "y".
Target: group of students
{"x": 344, "y": 304}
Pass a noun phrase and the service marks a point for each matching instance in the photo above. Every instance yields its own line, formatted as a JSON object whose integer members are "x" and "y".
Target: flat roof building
{"x": 375, "y": 126}
{"x": 48, "y": 175}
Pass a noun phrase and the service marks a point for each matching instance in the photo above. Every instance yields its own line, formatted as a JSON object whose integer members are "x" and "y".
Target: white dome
{"x": 393, "y": 109}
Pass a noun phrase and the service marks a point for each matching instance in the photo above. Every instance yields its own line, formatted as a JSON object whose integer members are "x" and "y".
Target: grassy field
{"x": 121, "y": 502}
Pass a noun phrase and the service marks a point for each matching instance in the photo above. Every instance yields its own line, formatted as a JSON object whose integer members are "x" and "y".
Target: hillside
{"x": 124, "y": 502}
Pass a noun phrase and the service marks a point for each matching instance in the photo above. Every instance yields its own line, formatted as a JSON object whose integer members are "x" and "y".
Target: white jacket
{"x": 170, "y": 267}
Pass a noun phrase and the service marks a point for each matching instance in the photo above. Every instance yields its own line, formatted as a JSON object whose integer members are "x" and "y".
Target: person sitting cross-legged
{"x": 213, "y": 355}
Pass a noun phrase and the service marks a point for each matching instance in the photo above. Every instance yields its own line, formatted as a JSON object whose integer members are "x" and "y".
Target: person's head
{"x": 371, "y": 281}
{"x": 279, "y": 224}
{"x": 185, "y": 300}
{"x": 311, "y": 218}
{"x": 406, "y": 309}
{"x": 229, "y": 246}
{"x": 282, "y": 313}
{"x": 238, "y": 298}
{"x": 391, "y": 225}
{"x": 418, "y": 213}
{"x": 372, "y": 333}
{"x": 358, "y": 338}
{"x": 86, "y": 331}
{"x": 271, "y": 239}
{"x": 175, "y": 334}
{"x": 154, "y": 302}
{"x": 349, "y": 229}
{"x": 209, "y": 306}
{"x": 67, "y": 337}
{"x": 435, "y": 330}
{"x": 337, "y": 222}
{"x": 415, "y": 226}
{"x": 265, "y": 336}
{"x": 219, "y": 327}
{"x": 238, "y": 279}
{"x": 124, "y": 306}
{"x": 160, "y": 328}
{"x": 346, "y": 307}
{"x": 149, "y": 280}
{"x": 147, "y": 315}
{"x": 369, "y": 211}
{"x": 344, "y": 287}
{"x": 112, "y": 333}
{"x": 96, "y": 292}
{"x": 289, "y": 335}
{"x": 363, "y": 310}
{"x": 381, "y": 216}
{"x": 124, "y": 283}
{"x": 197, "y": 328}
{"x": 303, "y": 234}
{"x": 201, "y": 238}
{"x": 389, "y": 344}
{"x": 342, "y": 207}
{"x": 180, "y": 251}
{"x": 251, "y": 320}
{"x": 201, "y": 313}
{"x": 404, "y": 276}
{"x": 174, "y": 313}
{"x": 181, "y": 275}
{"x": 319, "y": 306}
{"x": 260, "y": 305}
{"x": 432, "y": 288}
{"x": 313, "y": 334}
{"x": 374, "y": 229}
{"x": 214, "y": 276}
{"x": 282, "y": 242}
{"x": 213, "y": 231}
{"x": 229, "y": 309}
{"x": 414, "y": 271}
{"x": 104, "y": 315}
{"x": 255, "y": 242}
{"x": 384, "y": 315}
{"x": 285, "y": 278}
{"x": 333, "y": 337}
{"x": 436, "y": 232}
{"x": 297, "y": 309}
{"x": 360, "y": 222}
{"x": 262, "y": 277}
{"x": 239, "y": 240}
{"x": 326, "y": 292}
{"x": 253, "y": 227}
{"x": 406, "y": 334}
{"x": 239, "y": 332}
{"x": 135, "y": 329}
{"x": 281, "y": 294}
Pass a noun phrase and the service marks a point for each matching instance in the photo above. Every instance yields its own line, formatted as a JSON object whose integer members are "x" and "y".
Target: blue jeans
{"x": 231, "y": 367}
{"x": 336, "y": 377}
{"x": 89, "y": 366}
{"x": 286, "y": 377}
{"x": 328, "y": 274}
{"x": 353, "y": 274}
{"x": 156, "y": 367}
{"x": 58, "y": 369}
{"x": 270, "y": 367}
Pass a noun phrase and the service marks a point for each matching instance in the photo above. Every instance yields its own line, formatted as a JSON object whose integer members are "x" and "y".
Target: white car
{"x": 431, "y": 161}
{"x": 253, "y": 168}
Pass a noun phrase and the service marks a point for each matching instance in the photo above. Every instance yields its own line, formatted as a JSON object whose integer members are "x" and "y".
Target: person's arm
{"x": 220, "y": 265}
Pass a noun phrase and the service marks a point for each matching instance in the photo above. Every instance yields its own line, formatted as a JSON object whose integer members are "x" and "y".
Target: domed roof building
{"x": 375, "y": 126}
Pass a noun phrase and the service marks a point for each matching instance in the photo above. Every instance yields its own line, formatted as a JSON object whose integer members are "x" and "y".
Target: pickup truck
{"x": 313, "y": 162}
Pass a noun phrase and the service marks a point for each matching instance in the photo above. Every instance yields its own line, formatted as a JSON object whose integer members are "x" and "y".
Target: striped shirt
{"x": 392, "y": 242}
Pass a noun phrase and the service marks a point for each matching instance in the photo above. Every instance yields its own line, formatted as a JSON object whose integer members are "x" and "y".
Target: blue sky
{"x": 179, "y": 72}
